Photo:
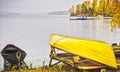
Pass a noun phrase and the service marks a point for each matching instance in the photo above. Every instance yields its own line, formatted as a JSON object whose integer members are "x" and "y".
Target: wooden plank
{"x": 90, "y": 67}
{"x": 65, "y": 55}
{"x": 82, "y": 63}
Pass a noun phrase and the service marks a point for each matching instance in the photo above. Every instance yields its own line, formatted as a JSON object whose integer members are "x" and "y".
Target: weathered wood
{"x": 50, "y": 62}
{"x": 77, "y": 61}
{"x": 55, "y": 63}
{"x": 65, "y": 55}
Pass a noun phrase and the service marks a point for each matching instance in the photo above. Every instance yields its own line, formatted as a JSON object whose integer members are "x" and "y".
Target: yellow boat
{"x": 82, "y": 53}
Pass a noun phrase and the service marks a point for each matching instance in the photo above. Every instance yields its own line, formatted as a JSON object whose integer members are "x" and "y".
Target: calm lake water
{"x": 31, "y": 33}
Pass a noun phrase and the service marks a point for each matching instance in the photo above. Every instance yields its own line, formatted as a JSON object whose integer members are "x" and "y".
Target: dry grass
{"x": 59, "y": 68}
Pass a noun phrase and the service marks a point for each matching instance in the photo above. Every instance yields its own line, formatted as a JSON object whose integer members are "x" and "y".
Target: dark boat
{"x": 9, "y": 53}
{"x": 12, "y": 56}
{"x": 80, "y": 18}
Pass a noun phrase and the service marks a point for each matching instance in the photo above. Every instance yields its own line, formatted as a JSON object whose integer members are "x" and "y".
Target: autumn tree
{"x": 94, "y": 6}
{"x": 115, "y": 22}
{"x": 78, "y": 10}
{"x": 107, "y": 8}
{"x": 71, "y": 11}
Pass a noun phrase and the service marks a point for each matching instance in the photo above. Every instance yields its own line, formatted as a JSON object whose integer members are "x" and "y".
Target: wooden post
{"x": 52, "y": 53}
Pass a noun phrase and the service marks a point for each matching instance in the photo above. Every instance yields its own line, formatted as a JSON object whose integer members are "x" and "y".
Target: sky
{"x": 36, "y": 6}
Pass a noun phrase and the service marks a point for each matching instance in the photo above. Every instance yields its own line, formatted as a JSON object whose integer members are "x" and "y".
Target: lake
{"x": 31, "y": 33}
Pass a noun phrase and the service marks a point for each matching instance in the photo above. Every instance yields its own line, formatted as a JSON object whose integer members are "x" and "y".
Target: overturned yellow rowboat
{"x": 96, "y": 51}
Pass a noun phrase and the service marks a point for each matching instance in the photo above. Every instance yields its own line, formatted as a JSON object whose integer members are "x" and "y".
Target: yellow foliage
{"x": 115, "y": 22}
{"x": 105, "y": 7}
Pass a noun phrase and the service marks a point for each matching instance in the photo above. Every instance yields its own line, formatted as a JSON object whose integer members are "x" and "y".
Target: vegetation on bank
{"x": 106, "y": 8}
{"x": 94, "y": 8}
{"x": 57, "y": 68}
{"x": 115, "y": 22}
{"x": 60, "y": 68}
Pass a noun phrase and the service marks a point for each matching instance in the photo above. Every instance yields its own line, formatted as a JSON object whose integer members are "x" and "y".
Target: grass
{"x": 60, "y": 68}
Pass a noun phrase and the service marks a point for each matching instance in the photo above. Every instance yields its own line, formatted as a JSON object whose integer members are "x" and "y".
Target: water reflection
{"x": 32, "y": 33}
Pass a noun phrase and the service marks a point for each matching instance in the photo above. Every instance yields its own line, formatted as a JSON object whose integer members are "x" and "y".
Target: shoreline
{"x": 89, "y": 18}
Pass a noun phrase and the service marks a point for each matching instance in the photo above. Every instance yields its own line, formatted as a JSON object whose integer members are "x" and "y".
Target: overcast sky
{"x": 31, "y": 6}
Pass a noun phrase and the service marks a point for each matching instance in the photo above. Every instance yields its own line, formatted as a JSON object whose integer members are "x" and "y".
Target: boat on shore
{"x": 84, "y": 54}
